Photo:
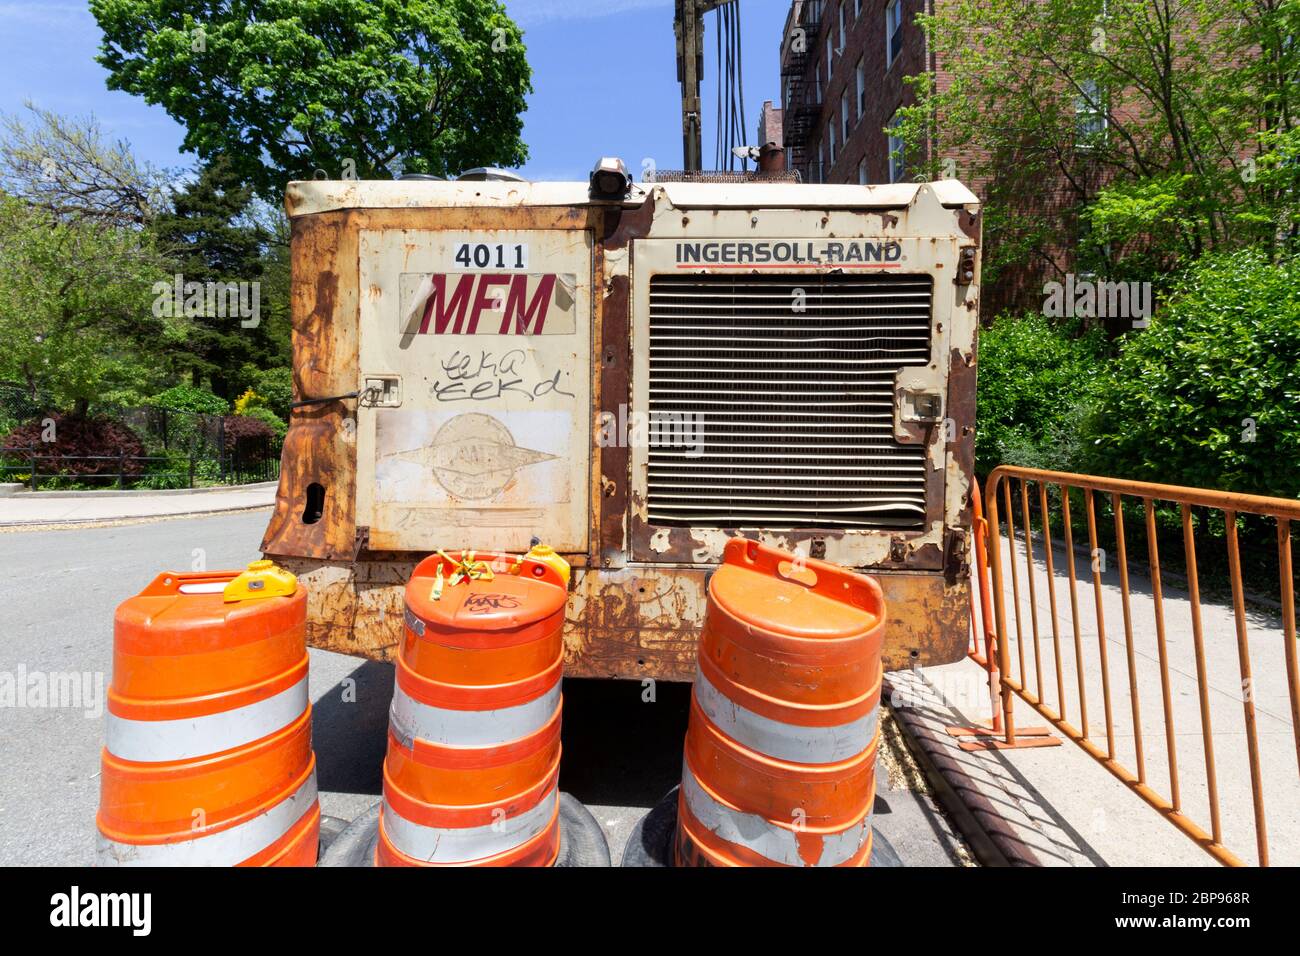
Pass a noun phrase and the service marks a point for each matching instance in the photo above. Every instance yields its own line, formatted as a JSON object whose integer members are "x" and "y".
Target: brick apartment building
{"x": 843, "y": 64}
{"x": 842, "y": 69}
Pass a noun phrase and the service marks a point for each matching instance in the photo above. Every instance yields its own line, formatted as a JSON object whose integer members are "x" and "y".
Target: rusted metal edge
{"x": 612, "y": 297}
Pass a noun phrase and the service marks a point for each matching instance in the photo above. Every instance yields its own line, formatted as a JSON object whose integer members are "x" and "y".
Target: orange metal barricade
{"x": 988, "y": 659}
{"x": 1145, "y": 649}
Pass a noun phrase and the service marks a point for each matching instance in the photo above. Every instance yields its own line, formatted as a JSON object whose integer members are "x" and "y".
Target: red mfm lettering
{"x": 440, "y": 310}
{"x": 520, "y": 316}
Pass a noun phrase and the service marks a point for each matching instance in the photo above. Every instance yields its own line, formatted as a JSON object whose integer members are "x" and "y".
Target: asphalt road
{"x": 58, "y": 591}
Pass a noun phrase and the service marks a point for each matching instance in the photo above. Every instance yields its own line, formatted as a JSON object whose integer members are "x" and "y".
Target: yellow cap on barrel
{"x": 545, "y": 554}
{"x": 263, "y": 579}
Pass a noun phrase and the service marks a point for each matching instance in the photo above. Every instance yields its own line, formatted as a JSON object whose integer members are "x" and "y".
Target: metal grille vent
{"x": 795, "y": 408}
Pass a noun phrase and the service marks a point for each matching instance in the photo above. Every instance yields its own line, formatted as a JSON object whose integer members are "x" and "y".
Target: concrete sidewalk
{"x": 43, "y": 508}
{"x": 1064, "y": 805}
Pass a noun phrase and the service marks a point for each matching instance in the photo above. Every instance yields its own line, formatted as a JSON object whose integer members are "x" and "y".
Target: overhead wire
{"x": 740, "y": 87}
{"x": 730, "y": 131}
{"x": 728, "y": 100}
{"x": 723, "y": 79}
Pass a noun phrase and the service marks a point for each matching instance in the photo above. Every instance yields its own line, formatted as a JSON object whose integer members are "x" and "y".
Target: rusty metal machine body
{"x": 633, "y": 381}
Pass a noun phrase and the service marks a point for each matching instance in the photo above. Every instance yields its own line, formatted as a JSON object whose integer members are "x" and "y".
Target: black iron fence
{"x": 177, "y": 449}
{"x": 249, "y": 460}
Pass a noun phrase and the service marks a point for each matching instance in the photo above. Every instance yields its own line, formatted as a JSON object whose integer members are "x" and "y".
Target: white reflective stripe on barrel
{"x": 467, "y": 844}
{"x": 223, "y": 848}
{"x": 152, "y": 741}
{"x": 412, "y": 719}
{"x": 776, "y": 843}
{"x": 792, "y": 742}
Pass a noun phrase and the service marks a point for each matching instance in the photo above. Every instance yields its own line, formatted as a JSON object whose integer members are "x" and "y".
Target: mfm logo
{"x": 469, "y": 303}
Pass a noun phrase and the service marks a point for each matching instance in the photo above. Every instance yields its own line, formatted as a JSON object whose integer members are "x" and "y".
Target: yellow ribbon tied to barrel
{"x": 468, "y": 568}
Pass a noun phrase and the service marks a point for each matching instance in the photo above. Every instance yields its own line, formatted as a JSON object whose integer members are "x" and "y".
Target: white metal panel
{"x": 489, "y": 442}
{"x": 796, "y": 426}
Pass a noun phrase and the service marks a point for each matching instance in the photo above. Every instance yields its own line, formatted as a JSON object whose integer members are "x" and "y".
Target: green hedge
{"x": 270, "y": 419}
{"x": 1035, "y": 382}
{"x": 276, "y": 386}
{"x": 190, "y": 398}
{"x": 1209, "y": 394}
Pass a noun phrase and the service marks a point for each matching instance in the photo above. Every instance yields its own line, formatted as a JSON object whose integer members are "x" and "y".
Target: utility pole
{"x": 689, "y": 28}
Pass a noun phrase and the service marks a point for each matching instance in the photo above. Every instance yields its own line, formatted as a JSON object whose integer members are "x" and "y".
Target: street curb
{"x": 143, "y": 492}
{"x": 992, "y": 839}
{"x": 74, "y": 524}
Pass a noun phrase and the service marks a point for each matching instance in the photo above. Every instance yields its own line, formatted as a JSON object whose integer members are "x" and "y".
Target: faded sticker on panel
{"x": 506, "y": 458}
{"x": 486, "y": 443}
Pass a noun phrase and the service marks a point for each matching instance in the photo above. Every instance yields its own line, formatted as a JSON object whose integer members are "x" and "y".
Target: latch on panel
{"x": 382, "y": 391}
{"x": 965, "y": 274}
{"x": 921, "y": 406}
{"x": 918, "y": 404}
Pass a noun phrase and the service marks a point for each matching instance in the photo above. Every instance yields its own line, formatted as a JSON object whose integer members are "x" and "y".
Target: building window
{"x": 862, "y": 172}
{"x": 857, "y": 9}
{"x": 830, "y": 154}
{"x": 897, "y": 167}
{"x": 1089, "y": 114}
{"x": 861, "y": 74}
{"x": 893, "y": 31}
{"x": 830, "y": 54}
{"x": 842, "y": 31}
{"x": 846, "y": 115}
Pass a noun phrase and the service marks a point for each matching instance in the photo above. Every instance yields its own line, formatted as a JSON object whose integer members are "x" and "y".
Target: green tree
{"x": 66, "y": 167}
{"x": 74, "y": 307}
{"x": 213, "y": 236}
{"x": 289, "y": 87}
{"x": 1168, "y": 124}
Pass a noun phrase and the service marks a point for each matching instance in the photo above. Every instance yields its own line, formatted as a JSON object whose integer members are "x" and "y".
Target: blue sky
{"x": 604, "y": 78}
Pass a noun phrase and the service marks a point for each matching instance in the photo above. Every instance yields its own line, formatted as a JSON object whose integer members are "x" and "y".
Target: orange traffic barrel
{"x": 780, "y": 754}
{"x": 207, "y": 755}
{"x": 472, "y": 771}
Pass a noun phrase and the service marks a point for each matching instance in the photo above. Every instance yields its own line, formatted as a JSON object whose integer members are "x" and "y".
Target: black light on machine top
{"x": 610, "y": 179}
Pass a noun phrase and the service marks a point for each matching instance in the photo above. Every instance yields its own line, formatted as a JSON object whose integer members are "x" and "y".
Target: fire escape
{"x": 803, "y": 90}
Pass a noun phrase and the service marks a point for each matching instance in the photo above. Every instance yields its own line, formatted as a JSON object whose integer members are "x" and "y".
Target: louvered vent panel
{"x": 792, "y": 379}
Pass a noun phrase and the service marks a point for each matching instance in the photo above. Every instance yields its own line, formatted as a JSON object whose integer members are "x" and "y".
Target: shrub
{"x": 171, "y": 471}
{"x": 246, "y": 435}
{"x": 1209, "y": 394}
{"x": 269, "y": 418}
{"x": 268, "y": 388}
{"x": 248, "y": 400}
{"x": 1035, "y": 381}
{"x": 98, "y": 437}
{"x": 190, "y": 398}
{"x": 275, "y": 387}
